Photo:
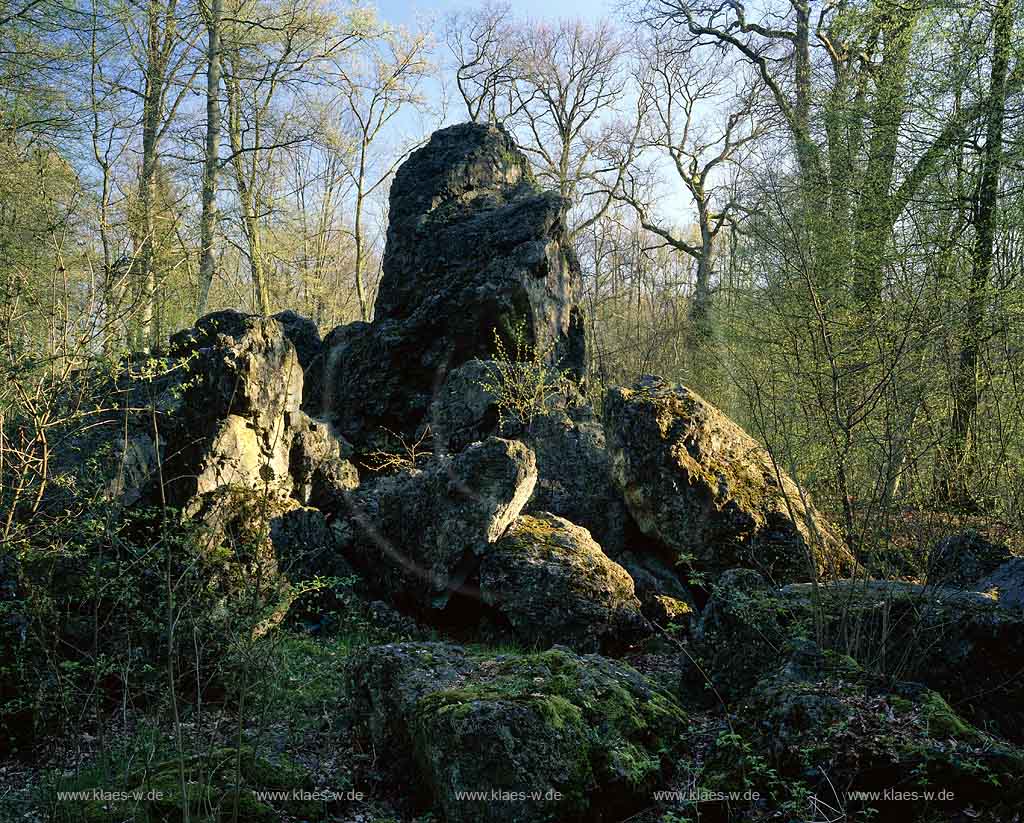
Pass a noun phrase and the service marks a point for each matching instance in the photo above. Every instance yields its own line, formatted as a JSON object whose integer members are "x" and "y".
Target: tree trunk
{"x": 966, "y": 393}
{"x": 250, "y": 220}
{"x": 211, "y": 161}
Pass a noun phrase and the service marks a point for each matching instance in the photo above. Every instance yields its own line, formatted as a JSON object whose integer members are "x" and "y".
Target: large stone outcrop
{"x": 553, "y": 584}
{"x": 573, "y": 475}
{"x": 419, "y": 535}
{"x": 819, "y": 717}
{"x": 220, "y": 410}
{"x": 706, "y": 490}
{"x": 591, "y": 735}
{"x": 226, "y": 423}
{"x": 474, "y": 246}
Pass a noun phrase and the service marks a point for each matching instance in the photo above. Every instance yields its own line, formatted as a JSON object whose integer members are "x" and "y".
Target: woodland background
{"x": 810, "y": 212}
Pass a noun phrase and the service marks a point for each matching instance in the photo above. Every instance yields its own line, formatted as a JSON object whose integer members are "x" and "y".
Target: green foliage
{"x": 522, "y": 381}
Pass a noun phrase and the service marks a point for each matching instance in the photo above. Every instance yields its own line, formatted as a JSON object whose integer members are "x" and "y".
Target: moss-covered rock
{"x": 553, "y": 584}
{"x": 821, "y": 724}
{"x": 386, "y": 682}
{"x": 741, "y": 630}
{"x": 964, "y": 645}
{"x": 697, "y": 483}
{"x": 417, "y": 536}
{"x": 552, "y": 736}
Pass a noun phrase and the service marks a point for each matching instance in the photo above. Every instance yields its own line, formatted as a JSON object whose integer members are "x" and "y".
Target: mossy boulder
{"x": 964, "y": 645}
{"x": 741, "y": 630}
{"x": 708, "y": 492}
{"x": 820, "y": 724}
{"x": 385, "y": 683}
{"x": 553, "y": 584}
{"x": 552, "y": 736}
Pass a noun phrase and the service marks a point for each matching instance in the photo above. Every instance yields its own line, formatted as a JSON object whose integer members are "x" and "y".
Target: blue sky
{"x": 399, "y": 11}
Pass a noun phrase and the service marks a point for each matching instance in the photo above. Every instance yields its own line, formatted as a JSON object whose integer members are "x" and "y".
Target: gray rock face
{"x": 419, "y": 535}
{"x": 553, "y": 584}
{"x": 592, "y": 735}
{"x": 303, "y": 333}
{"x": 317, "y": 462}
{"x": 1007, "y": 583}
{"x": 964, "y": 559}
{"x": 573, "y": 473}
{"x": 697, "y": 483}
{"x": 386, "y": 682}
{"x": 473, "y": 246}
{"x": 228, "y": 423}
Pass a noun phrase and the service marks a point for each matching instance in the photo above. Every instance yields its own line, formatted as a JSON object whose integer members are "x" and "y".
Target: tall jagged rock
{"x": 474, "y": 247}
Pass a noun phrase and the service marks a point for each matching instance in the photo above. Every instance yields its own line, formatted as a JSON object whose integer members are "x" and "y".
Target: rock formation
{"x": 593, "y": 735}
{"x": 706, "y": 490}
{"x": 419, "y": 535}
{"x": 553, "y": 584}
{"x": 556, "y": 532}
{"x": 474, "y": 247}
{"x": 573, "y": 473}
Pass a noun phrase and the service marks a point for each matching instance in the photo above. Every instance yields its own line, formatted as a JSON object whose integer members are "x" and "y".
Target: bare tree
{"x": 269, "y": 52}
{"x": 162, "y": 40}
{"x": 378, "y": 81}
{"x": 569, "y": 78}
{"x": 697, "y": 117}
{"x": 211, "y": 161}
{"x": 839, "y": 79}
{"x": 481, "y": 42}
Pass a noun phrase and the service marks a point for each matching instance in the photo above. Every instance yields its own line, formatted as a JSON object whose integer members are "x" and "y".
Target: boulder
{"x": 965, "y": 645}
{"x": 740, "y": 632}
{"x": 303, "y": 333}
{"x": 1006, "y": 584}
{"x": 964, "y": 559}
{"x": 591, "y": 735}
{"x": 385, "y": 683}
{"x": 703, "y": 488}
{"x": 829, "y": 727}
{"x": 553, "y": 584}
{"x": 419, "y": 535}
{"x": 227, "y": 424}
{"x": 664, "y": 596}
{"x": 474, "y": 247}
{"x": 317, "y": 462}
{"x": 234, "y": 543}
{"x": 573, "y": 479}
